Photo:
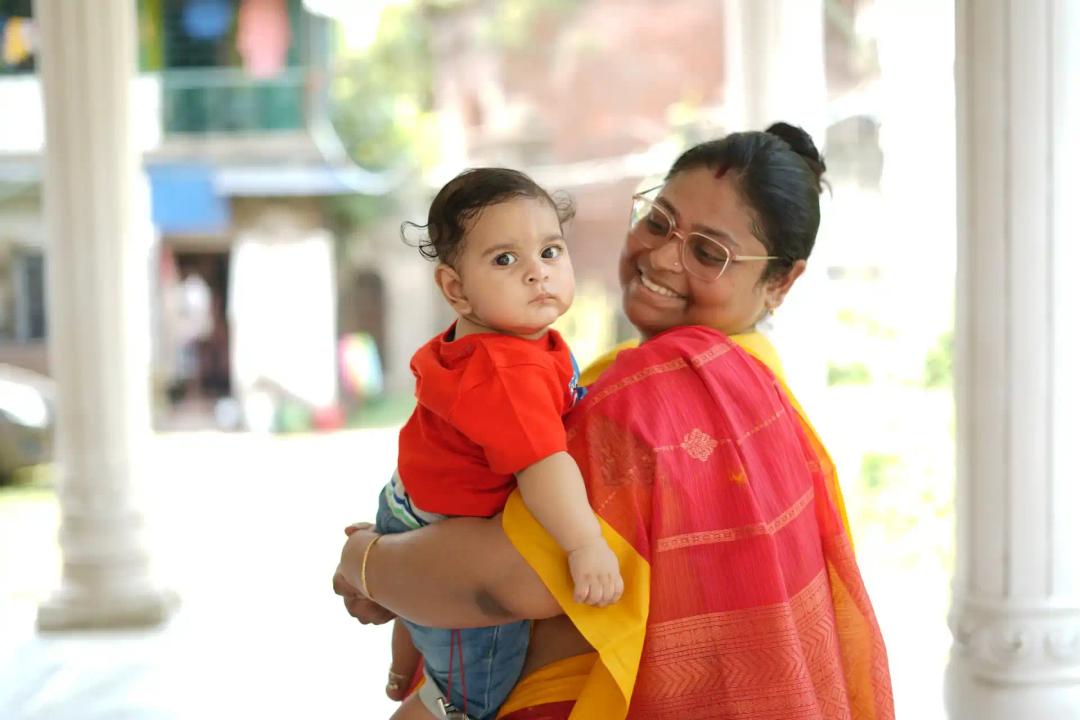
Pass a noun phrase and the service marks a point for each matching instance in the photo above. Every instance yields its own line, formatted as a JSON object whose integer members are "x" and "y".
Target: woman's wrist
{"x": 364, "y": 566}
{"x": 354, "y": 555}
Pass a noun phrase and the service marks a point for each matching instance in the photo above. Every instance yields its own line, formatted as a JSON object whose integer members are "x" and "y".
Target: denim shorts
{"x": 493, "y": 656}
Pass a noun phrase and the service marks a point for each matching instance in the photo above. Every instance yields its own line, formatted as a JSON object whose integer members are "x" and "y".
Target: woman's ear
{"x": 777, "y": 288}
{"x": 449, "y": 282}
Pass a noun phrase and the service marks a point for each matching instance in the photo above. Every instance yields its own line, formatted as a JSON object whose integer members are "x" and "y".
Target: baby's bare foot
{"x": 397, "y": 685}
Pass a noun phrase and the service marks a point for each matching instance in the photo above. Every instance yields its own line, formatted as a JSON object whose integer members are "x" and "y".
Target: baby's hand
{"x": 595, "y": 571}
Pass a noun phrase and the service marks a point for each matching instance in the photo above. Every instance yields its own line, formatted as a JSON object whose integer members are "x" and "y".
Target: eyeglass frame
{"x": 673, "y": 231}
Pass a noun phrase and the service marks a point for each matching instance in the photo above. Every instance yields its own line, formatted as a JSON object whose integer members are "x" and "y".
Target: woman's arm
{"x": 458, "y": 573}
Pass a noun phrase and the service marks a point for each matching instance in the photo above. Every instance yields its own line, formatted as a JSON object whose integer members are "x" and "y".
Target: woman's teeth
{"x": 658, "y": 289}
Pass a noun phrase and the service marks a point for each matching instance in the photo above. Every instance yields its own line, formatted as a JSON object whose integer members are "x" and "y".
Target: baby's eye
{"x": 551, "y": 252}
{"x": 505, "y": 259}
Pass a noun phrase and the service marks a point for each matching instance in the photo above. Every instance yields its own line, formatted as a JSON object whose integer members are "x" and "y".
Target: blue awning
{"x": 184, "y": 199}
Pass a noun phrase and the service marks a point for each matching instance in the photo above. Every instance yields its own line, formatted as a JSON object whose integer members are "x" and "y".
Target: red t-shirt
{"x": 488, "y": 405}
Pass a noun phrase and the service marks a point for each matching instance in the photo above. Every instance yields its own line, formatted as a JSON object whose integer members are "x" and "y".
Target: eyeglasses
{"x": 701, "y": 254}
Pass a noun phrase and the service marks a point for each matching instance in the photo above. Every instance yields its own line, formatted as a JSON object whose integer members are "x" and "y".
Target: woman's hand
{"x": 458, "y": 573}
{"x": 367, "y": 611}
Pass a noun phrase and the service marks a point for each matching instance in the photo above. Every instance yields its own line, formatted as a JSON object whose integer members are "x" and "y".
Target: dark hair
{"x": 778, "y": 175}
{"x": 463, "y": 198}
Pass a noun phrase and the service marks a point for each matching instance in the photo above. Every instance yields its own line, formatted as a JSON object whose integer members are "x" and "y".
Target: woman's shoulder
{"x": 709, "y": 355}
{"x": 687, "y": 341}
{"x": 676, "y": 342}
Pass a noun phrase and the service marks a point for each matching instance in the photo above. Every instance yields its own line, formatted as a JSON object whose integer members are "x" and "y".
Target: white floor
{"x": 247, "y": 530}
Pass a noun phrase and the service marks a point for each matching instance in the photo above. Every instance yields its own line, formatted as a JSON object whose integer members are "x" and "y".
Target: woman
{"x": 742, "y": 596}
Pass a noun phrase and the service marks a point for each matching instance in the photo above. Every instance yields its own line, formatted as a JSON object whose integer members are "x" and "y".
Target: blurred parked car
{"x": 26, "y": 420}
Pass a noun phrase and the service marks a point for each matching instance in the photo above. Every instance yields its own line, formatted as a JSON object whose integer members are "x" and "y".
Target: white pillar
{"x": 98, "y": 313}
{"x": 1016, "y": 596}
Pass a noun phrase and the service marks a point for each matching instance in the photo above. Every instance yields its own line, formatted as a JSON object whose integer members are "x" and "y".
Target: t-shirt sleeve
{"x": 515, "y": 415}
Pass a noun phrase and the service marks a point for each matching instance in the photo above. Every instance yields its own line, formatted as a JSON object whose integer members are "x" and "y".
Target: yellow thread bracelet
{"x": 363, "y": 566}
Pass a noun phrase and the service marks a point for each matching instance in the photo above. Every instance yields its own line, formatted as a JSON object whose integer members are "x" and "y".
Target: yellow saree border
{"x": 617, "y": 632}
{"x": 560, "y": 681}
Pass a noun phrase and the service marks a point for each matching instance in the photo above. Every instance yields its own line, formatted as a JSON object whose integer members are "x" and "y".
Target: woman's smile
{"x": 657, "y": 287}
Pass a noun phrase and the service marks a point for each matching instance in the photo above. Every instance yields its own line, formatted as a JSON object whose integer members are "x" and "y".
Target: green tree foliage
{"x": 380, "y": 104}
{"x": 381, "y": 100}
{"x": 878, "y": 469}
{"x": 851, "y": 374}
{"x": 938, "y": 371}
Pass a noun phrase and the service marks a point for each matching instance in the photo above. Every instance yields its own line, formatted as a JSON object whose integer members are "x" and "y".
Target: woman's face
{"x": 659, "y": 295}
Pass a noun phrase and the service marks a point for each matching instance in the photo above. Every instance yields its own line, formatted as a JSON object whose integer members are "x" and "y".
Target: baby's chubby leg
{"x": 405, "y": 659}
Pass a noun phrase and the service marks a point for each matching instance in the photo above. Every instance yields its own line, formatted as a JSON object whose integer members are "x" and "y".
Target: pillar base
{"x": 84, "y": 611}
{"x": 1013, "y": 659}
{"x": 968, "y": 698}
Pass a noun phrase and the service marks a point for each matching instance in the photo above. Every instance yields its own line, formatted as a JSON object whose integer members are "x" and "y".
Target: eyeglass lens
{"x": 701, "y": 255}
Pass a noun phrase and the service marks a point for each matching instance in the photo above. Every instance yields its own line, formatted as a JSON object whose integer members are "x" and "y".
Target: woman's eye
{"x": 657, "y": 226}
{"x": 505, "y": 259}
{"x": 551, "y": 252}
{"x": 708, "y": 253}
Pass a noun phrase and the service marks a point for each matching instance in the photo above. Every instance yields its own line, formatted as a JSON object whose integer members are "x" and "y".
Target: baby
{"x": 491, "y": 392}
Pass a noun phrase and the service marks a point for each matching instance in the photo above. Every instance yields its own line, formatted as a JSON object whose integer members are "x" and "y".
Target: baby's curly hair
{"x": 464, "y": 197}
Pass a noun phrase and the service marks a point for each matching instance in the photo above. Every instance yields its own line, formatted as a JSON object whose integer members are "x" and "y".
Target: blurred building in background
{"x": 22, "y": 279}
{"x": 248, "y": 146}
{"x": 253, "y": 294}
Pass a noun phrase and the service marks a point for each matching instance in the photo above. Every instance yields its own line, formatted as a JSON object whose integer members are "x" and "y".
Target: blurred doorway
{"x": 196, "y": 323}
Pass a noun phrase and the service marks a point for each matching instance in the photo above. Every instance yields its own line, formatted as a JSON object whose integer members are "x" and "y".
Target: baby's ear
{"x": 449, "y": 282}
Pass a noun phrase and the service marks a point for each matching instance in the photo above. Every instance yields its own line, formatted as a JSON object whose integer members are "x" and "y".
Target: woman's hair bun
{"x": 801, "y": 142}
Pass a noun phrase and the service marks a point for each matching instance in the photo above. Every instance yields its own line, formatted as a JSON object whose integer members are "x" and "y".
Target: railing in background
{"x": 227, "y": 100}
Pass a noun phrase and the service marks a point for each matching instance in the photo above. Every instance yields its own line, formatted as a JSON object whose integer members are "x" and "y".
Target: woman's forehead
{"x": 699, "y": 198}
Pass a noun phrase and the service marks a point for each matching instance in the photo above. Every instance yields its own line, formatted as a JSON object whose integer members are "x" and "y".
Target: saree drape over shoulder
{"x": 743, "y": 600}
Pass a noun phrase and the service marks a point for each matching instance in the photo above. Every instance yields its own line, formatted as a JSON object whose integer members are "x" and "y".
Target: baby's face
{"x": 514, "y": 267}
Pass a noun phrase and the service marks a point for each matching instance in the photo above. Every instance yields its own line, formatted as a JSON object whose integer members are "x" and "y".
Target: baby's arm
{"x": 554, "y": 492}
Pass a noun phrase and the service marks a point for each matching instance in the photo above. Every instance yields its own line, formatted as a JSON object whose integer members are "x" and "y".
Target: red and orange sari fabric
{"x": 743, "y": 598}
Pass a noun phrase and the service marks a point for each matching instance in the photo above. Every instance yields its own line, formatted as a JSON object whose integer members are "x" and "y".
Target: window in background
{"x": 18, "y": 37}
